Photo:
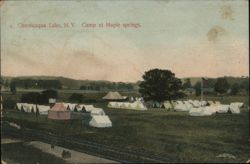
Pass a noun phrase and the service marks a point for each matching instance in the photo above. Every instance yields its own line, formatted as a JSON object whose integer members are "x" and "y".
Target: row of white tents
{"x": 194, "y": 107}
{"x": 98, "y": 116}
{"x": 137, "y": 105}
{"x": 43, "y": 109}
{"x": 203, "y": 108}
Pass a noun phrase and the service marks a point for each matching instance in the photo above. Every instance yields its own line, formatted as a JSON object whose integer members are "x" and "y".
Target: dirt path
{"x": 9, "y": 140}
{"x": 76, "y": 157}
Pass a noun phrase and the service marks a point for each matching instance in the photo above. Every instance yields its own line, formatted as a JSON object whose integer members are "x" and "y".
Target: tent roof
{"x": 59, "y": 107}
{"x": 113, "y": 96}
{"x": 101, "y": 119}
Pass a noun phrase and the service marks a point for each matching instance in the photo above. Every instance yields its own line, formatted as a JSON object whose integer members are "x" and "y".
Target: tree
{"x": 46, "y": 95}
{"x": 31, "y": 97}
{"x": 197, "y": 87}
{"x": 159, "y": 85}
{"x": 9, "y": 103}
{"x": 221, "y": 86}
{"x": 187, "y": 84}
{"x": 245, "y": 85}
{"x": 76, "y": 97}
{"x": 13, "y": 87}
{"x": 235, "y": 88}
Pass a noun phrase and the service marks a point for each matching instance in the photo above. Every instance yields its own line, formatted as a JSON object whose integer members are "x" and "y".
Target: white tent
{"x": 201, "y": 111}
{"x": 188, "y": 105}
{"x": 97, "y": 111}
{"x": 32, "y": 107}
{"x": 179, "y": 102}
{"x": 137, "y": 105}
{"x": 196, "y": 111}
{"x": 19, "y": 105}
{"x": 167, "y": 105}
{"x": 43, "y": 109}
{"x": 196, "y": 103}
{"x": 67, "y": 105}
{"x": 174, "y": 103}
{"x": 127, "y": 105}
{"x": 113, "y": 96}
{"x": 111, "y": 104}
{"x": 181, "y": 108}
{"x": 71, "y": 106}
{"x": 211, "y": 103}
{"x": 209, "y": 110}
{"x": 203, "y": 103}
{"x": 100, "y": 121}
{"x": 122, "y": 105}
{"x": 239, "y": 104}
{"x": 234, "y": 108}
{"x": 217, "y": 103}
{"x": 89, "y": 108}
{"x": 222, "y": 108}
{"x": 28, "y": 107}
{"x": 79, "y": 107}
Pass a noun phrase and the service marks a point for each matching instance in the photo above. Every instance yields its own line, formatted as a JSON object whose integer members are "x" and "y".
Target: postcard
{"x": 146, "y": 81}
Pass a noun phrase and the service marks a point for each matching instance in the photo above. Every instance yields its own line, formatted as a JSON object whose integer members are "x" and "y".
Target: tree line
{"x": 108, "y": 86}
{"x": 35, "y": 84}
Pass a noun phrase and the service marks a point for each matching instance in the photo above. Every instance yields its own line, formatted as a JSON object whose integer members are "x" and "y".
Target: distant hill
{"x": 231, "y": 80}
{"x": 69, "y": 83}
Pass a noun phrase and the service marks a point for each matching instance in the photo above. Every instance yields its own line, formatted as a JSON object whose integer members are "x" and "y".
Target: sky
{"x": 192, "y": 38}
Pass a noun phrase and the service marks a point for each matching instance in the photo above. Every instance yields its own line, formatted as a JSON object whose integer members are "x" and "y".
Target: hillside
{"x": 69, "y": 83}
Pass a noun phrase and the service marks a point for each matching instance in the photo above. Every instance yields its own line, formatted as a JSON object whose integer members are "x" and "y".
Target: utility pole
{"x": 201, "y": 89}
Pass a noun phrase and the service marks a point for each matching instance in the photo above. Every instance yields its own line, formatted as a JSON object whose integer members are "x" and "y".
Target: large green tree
{"x": 221, "y": 86}
{"x": 76, "y": 98}
{"x": 187, "y": 84}
{"x": 160, "y": 85}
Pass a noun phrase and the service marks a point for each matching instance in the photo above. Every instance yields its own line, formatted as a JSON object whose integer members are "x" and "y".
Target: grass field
{"x": 171, "y": 134}
{"x": 22, "y": 153}
{"x": 168, "y": 133}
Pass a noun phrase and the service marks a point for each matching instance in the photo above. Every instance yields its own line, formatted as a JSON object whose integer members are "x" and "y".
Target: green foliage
{"x": 197, "y": 87}
{"x": 76, "y": 97}
{"x": 37, "y": 83}
{"x": 39, "y": 98}
{"x": 192, "y": 139}
{"x": 221, "y": 86}
{"x": 46, "y": 95}
{"x": 31, "y": 97}
{"x": 187, "y": 84}
{"x": 13, "y": 87}
{"x": 9, "y": 103}
{"x": 235, "y": 89}
{"x": 107, "y": 86}
{"x": 245, "y": 85}
{"x": 20, "y": 152}
{"x": 160, "y": 85}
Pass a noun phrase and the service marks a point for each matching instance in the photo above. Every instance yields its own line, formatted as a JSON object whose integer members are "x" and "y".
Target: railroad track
{"x": 109, "y": 152}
